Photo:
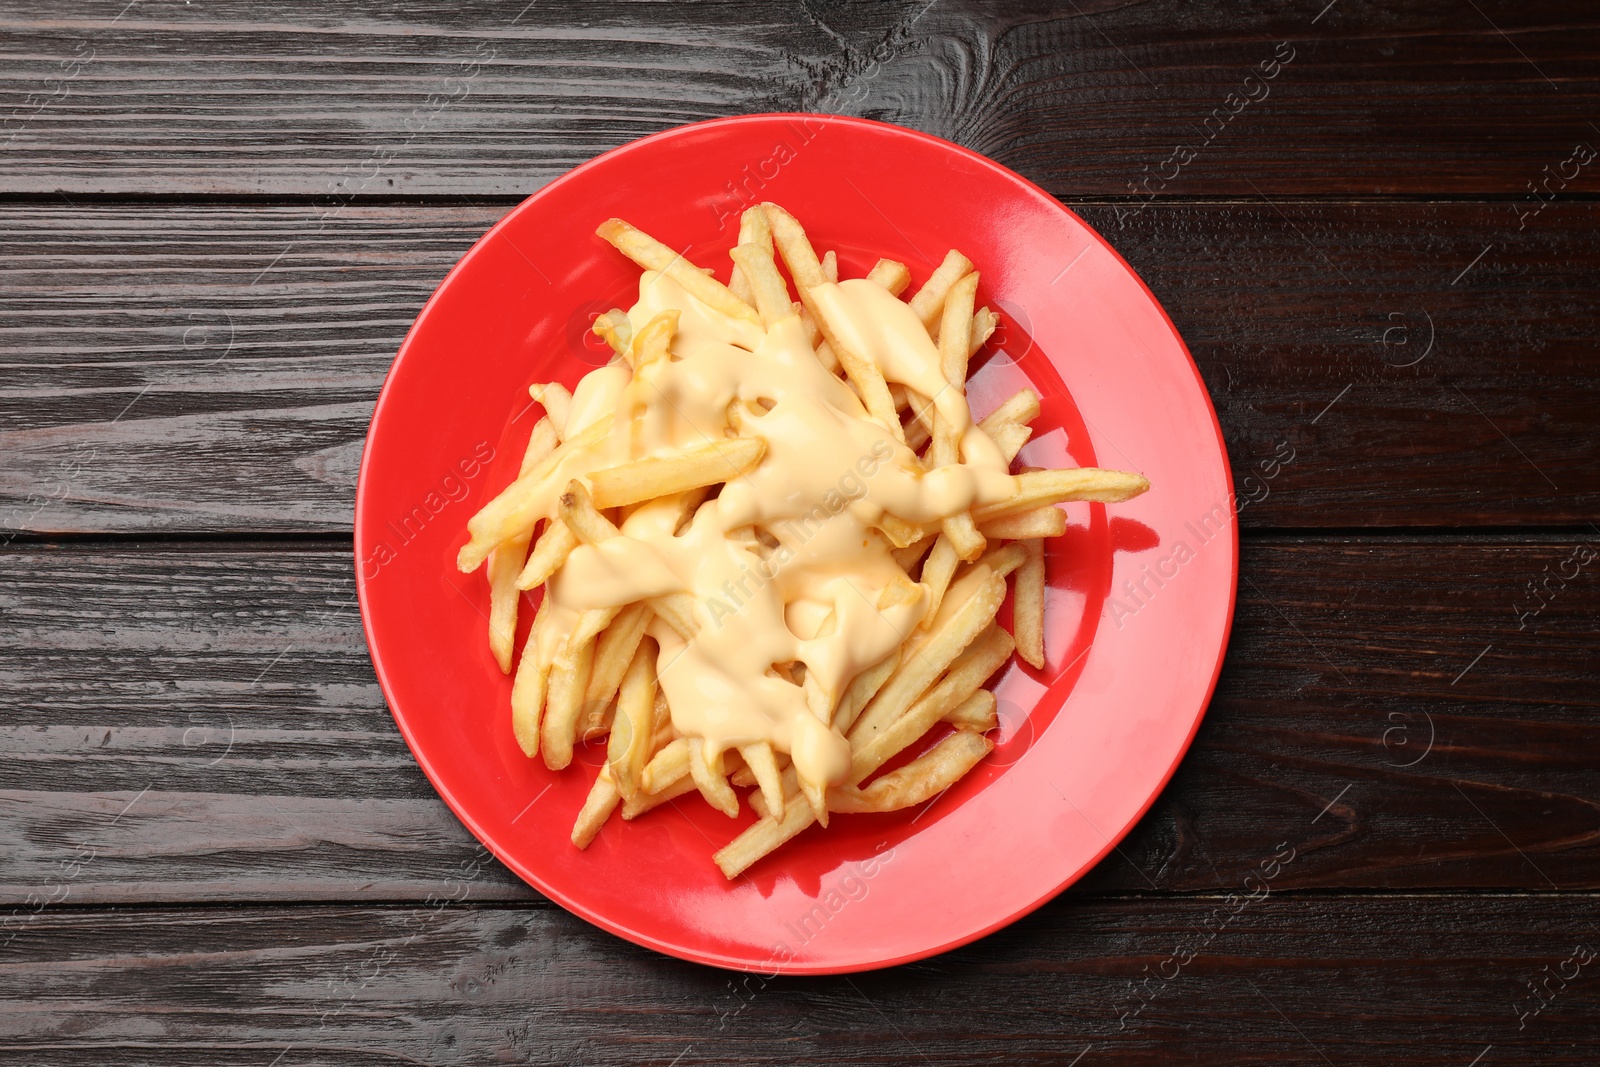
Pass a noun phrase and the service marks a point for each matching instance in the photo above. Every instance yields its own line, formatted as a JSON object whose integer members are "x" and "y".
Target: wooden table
{"x": 1380, "y": 241}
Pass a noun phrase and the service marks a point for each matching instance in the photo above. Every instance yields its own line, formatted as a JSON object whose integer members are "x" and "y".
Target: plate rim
{"x": 652, "y": 942}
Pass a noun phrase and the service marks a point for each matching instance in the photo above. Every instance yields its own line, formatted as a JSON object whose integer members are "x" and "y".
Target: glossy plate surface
{"x": 1140, "y": 597}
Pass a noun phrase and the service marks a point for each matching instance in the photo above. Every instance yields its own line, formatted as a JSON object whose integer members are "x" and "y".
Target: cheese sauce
{"x": 783, "y": 564}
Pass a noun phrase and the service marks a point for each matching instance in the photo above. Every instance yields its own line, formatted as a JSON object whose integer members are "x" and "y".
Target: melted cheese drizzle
{"x": 830, "y": 472}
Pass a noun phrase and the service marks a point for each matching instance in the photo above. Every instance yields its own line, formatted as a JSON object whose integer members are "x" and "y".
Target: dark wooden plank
{"x": 218, "y": 395}
{"x": 1087, "y": 99}
{"x": 1281, "y": 980}
{"x": 212, "y": 368}
{"x": 206, "y": 722}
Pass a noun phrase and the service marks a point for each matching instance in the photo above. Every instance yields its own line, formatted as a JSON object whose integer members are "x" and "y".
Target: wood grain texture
{"x": 212, "y": 368}
{"x": 1091, "y": 98}
{"x": 1281, "y": 980}
{"x": 205, "y": 721}
{"x": 218, "y": 394}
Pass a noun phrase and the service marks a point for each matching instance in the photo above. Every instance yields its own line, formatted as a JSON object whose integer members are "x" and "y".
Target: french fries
{"x": 923, "y": 778}
{"x": 506, "y": 560}
{"x": 1053, "y": 487}
{"x": 695, "y": 466}
{"x": 890, "y": 274}
{"x": 1028, "y": 604}
{"x": 929, "y": 301}
{"x": 651, "y": 254}
{"x": 711, "y": 608}
{"x": 808, "y": 274}
{"x": 633, "y": 729}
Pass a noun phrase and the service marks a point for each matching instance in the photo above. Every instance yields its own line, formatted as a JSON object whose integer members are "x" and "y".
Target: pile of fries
{"x": 594, "y": 675}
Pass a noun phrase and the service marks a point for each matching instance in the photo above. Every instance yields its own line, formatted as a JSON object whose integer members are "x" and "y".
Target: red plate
{"x": 1140, "y": 596}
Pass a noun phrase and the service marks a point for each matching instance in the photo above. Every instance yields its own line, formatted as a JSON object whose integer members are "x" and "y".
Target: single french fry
{"x": 557, "y": 403}
{"x": 597, "y": 808}
{"x": 698, "y": 465}
{"x": 643, "y": 802}
{"x": 653, "y": 343}
{"x": 926, "y": 659}
{"x": 955, "y": 330}
{"x": 677, "y": 611}
{"x": 922, "y": 779}
{"x": 977, "y": 712}
{"x": 590, "y": 625}
{"x": 1048, "y": 521}
{"x": 549, "y": 553}
{"x": 909, "y": 556}
{"x": 666, "y": 766}
{"x": 862, "y": 689}
{"x": 762, "y": 766}
{"x": 899, "y": 590}
{"x": 708, "y": 778}
{"x": 580, "y": 515}
{"x": 651, "y": 254}
{"x": 767, "y": 287}
{"x": 984, "y": 323}
{"x": 759, "y": 805}
{"x": 527, "y": 694}
{"x": 807, "y": 273}
{"x": 612, "y": 654}
{"x": 544, "y": 439}
{"x": 762, "y": 838}
{"x": 1009, "y": 437}
{"x": 752, "y": 231}
{"x": 1037, "y": 488}
{"x": 890, "y": 274}
{"x": 928, "y": 302}
{"x": 830, "y": 266}
{"x": 937, "y": 570}
{"x": 615, "y": 329}
{"x": 569, "y": 677}
{"x": 964, "y": 536}
{"x": 661, "y": 718}
{"x": 1027, "y": 604}
{"x": 816, "y": 796}
{"x": 1005, "y": 559}
{"x": 753, "y": 228}
{"x": 1022, "y": 406}
{"x": 901, "y": 534}
{"x": 505, "y": 563}
{"x": 738, "y": 283}
{"x": 633, "y": 730}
